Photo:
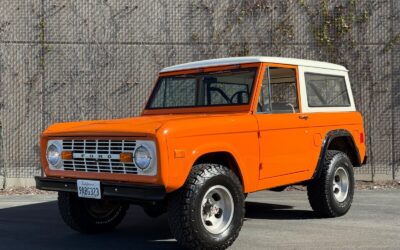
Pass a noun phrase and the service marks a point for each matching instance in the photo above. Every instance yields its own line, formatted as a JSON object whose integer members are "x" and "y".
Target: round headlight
{"x": 53, "y": 155}
{"x": 142, "y": 157}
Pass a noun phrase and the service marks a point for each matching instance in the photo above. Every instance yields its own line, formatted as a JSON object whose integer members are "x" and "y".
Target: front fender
{"x": 185, "y": 151}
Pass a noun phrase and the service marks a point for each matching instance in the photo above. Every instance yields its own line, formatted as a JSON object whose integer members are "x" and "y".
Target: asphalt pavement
{"x": 273, "y": 221}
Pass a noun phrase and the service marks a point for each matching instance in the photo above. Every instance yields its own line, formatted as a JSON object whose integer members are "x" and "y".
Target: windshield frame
{"x": 209, "y": 108}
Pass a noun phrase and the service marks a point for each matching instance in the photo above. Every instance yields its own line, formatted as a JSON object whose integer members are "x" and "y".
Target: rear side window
{"x": 326, "y": 91}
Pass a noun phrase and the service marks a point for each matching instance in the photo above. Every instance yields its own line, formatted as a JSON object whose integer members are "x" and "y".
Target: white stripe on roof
{"x": 253, "y": 59}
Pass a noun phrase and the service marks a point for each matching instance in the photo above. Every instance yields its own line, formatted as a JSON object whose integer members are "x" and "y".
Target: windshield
{"x": 228, "y": 87}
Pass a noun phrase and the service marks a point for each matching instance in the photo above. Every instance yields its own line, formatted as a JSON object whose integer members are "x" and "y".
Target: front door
{"x": 285, "y": 140}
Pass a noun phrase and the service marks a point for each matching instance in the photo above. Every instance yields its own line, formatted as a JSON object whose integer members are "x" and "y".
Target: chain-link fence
{"x": 78, "y": 60}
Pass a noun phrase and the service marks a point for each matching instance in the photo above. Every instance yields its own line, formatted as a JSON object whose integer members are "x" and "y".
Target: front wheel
{"x": 332, "y": 194}
{"x": 207, "y": 213}
{"x": 89, "y": 215}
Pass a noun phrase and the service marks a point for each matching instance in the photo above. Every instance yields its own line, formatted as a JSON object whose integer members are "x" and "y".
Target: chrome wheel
{"x": 340, "y": 184}
{"x": 217, "y": 209}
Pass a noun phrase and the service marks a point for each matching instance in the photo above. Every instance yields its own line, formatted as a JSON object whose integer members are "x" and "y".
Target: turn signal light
{"x": 66, "y": 155}
{"x": 126, "y": 157}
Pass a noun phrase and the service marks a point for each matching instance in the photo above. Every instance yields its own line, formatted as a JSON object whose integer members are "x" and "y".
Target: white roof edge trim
{"x": 254, "y": 59}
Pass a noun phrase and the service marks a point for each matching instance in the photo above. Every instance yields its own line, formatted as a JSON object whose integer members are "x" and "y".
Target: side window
{"x": 326, "y": 91}
{"x": 279, "y": 91}
{"x": 264, "y": 98}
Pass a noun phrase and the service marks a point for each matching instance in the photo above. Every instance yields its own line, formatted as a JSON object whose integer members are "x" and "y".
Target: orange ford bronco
{"x": 211, "y": 132}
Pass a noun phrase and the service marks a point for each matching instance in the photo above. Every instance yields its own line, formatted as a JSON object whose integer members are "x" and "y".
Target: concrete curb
{"x": 17, "y": 182}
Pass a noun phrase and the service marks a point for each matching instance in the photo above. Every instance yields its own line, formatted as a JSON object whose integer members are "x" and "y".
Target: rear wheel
{"x": 207, "y": 213}
{"x": 332, "y": 194}
{"x": 89, "y": 215}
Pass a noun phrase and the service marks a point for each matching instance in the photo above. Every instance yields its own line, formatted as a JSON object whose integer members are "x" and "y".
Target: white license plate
{"x": 88, "y": 189}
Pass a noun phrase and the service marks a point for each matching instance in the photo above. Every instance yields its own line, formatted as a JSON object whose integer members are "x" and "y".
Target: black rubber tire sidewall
{"x": 341, "y": 160}
{"x": 74, "y": 213}
{"x": 320, "y": 190}
{"x": 184, "y": 208}
{"x": 237, "y": 214}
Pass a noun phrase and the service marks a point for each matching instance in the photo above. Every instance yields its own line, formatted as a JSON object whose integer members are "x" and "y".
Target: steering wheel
{"x": 292, "y": 107}
{"x": 239, "y": 95}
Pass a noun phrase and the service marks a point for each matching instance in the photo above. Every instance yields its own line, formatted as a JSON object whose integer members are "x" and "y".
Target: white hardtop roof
{"x": 253, "y": 59}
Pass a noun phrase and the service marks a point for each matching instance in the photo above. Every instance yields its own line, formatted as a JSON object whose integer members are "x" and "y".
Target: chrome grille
{"x": 108, "y": 147}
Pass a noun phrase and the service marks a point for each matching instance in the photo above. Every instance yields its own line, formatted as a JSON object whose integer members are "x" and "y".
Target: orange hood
{"x": 135, "y": 126}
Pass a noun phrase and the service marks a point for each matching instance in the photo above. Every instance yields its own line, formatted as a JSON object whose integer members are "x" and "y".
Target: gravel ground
{"x": 23, "y": 191}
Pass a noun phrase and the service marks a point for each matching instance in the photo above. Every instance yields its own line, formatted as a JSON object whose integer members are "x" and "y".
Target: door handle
{"x": 304, "y": 117}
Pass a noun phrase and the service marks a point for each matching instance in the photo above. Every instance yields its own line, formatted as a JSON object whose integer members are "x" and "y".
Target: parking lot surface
{"x": 273, "y": 221}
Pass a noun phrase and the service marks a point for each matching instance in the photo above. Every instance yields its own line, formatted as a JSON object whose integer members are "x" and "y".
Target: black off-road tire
{"x": 76, "y": 214}
{"x": 320, "y": 191}
{"x": 185, "y": 208}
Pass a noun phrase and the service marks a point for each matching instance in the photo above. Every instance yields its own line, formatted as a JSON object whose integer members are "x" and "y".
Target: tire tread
{"x": 74, "y": 216}
{"x": 179, "y": 205}
{"x": 318, "y": 191}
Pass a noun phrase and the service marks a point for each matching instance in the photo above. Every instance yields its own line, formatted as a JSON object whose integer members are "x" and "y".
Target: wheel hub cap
{"x": 340, "y": 184}
{"x": 214, "y": 210}
{"x": 217, "y": 209}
